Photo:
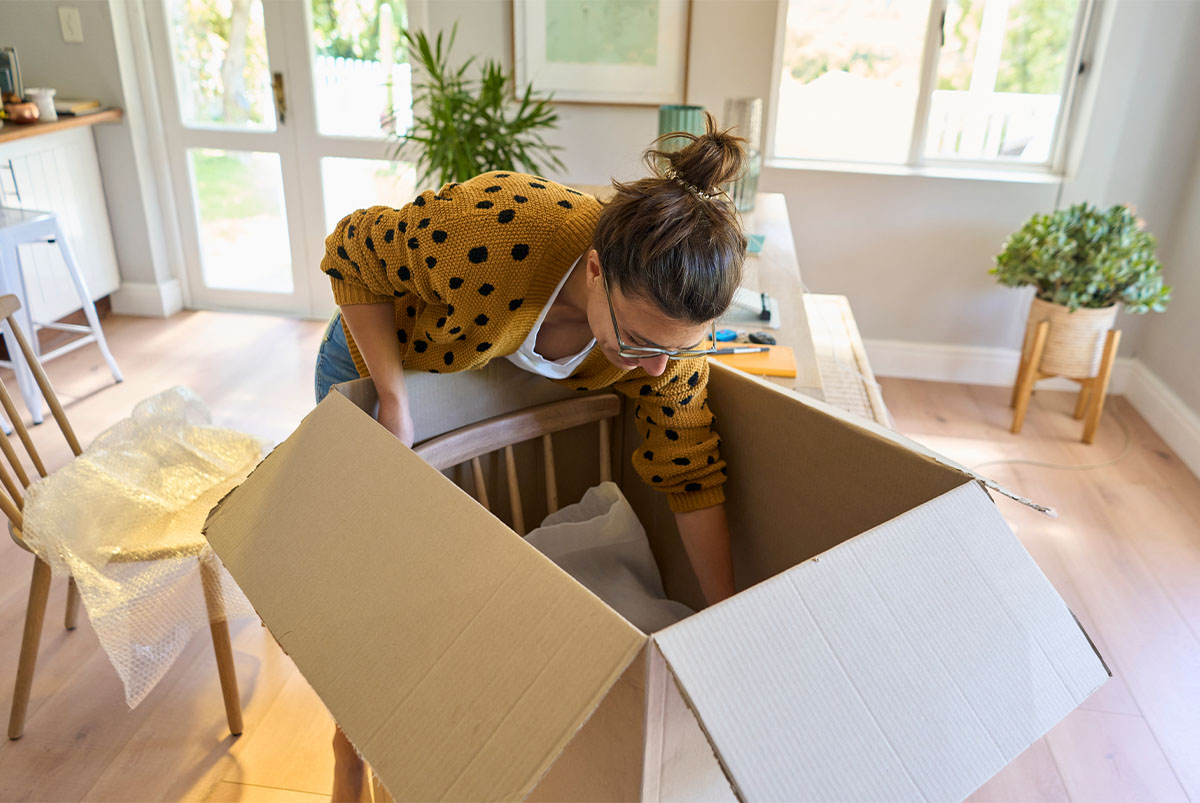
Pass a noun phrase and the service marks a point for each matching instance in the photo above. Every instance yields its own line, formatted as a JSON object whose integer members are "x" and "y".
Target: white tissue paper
{"x": 600, "y": 542}
{"x": 143, "y": 488}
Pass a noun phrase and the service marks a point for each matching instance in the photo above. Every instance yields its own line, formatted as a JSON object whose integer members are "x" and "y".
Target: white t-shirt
{"x": 527, "y": 358}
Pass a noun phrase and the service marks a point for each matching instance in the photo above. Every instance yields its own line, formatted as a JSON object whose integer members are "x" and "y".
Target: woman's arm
{"x": 705, "y": 535}
{"x": 374, "y": 331}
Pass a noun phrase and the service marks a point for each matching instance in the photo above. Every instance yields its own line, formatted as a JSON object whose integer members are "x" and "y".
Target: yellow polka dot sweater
{"x": 470, "y": 267}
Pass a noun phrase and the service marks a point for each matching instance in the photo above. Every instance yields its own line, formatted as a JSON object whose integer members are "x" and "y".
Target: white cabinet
{"x": 58, "y": 172}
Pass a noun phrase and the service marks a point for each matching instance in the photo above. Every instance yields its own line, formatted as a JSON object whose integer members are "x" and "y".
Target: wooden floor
{"x": 1125, "y": 554}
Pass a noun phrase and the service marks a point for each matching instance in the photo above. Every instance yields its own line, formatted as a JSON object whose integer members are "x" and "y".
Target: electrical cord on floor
{"x": 1069, "y": 466}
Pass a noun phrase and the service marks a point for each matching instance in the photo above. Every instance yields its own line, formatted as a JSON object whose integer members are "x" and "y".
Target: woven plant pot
{"x": 1075, "y": 341}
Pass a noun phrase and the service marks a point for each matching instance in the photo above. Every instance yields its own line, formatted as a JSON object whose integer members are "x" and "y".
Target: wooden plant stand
{"x": 1092, "y": 391}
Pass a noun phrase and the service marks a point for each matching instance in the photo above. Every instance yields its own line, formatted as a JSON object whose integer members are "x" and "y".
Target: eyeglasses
{"x": 647, "y": 352}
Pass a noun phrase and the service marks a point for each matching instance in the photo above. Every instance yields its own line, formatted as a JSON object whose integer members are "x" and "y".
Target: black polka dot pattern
{"x": 520, "y": 199}
{"x": 668, "y": 412}
{"x": 565, "y": 204}
{"x": 420, "y": 200}
{"x": 692, "y": 487}
{"x": 681, "y": 461}
{"x": 369, "y": 243}
{"x": 537, "y": 186}
{"x": 430, "y": 262}
{"x": 506, "y": 216}
{"x": 419, "y": 346}
{"x": 402, "y": 335}
{"x": 649, "y": 455}
{"x": 481, "y": 319}
{"x": 486, "y": 289}
{"x": 484, "y": 205}
{"x": 478, "y": 254}
{"x": 483, "y": 346}
{"x": 448, "y": 358}
{"x": 414, "y": 243}
{"x": 439, "y": 236}
{"x": 455, "y": 282}
{"x": 656, "y": 478}
{"x": 515, "y": 304}
{"x": 494, "y": 188}
{"x": 335, "y": 273}
{"x": 403, "y": 273}
{"x": 520, "y": 251}
{"x": 341, "y": 252}
{"x": 389, "y": 235}
{"x": 424, "y": 223}
{"x": 402, "y": 226}
{"x": 694, "y": 379}
{"x": 671, "y": 434}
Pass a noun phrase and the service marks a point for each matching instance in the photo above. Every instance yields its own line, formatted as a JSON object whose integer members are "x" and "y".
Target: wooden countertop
{"x": 14, "y": 131}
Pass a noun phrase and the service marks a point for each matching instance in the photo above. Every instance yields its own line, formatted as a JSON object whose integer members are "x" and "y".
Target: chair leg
{"x": 222, "y": 646}
{"x": 85, "y": 298}
{"x": 1025, "y": 381}
{"x": 1100, "y": 391}
{"x": 35, "y": 614}
{"x": 72, "y": 616}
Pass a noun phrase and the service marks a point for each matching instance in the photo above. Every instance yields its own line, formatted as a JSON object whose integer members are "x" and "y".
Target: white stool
{"x": 25, "y": 226}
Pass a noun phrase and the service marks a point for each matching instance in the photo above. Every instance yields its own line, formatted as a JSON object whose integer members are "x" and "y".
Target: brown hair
{"x": 660, "y": 239}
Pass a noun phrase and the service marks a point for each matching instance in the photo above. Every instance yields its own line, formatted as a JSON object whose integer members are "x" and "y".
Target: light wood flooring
{"x": 1124, "y": 553}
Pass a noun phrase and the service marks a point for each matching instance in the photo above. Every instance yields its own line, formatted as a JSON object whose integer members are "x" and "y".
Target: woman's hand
{"x": 394, "y": 415}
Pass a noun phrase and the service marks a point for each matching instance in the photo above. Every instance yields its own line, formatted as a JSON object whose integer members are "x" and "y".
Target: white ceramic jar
{"x": 43, "y": 98}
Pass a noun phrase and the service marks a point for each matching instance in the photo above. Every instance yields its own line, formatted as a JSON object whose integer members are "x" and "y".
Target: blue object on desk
{"x": 754, "y": 243}
{"x": 726, "y": 335}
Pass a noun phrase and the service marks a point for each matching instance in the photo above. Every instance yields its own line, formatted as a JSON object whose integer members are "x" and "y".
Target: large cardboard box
{"x": 891, "y": 639}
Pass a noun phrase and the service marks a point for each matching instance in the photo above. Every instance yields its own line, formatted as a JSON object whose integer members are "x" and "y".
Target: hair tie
{"x": 692, "y": 188}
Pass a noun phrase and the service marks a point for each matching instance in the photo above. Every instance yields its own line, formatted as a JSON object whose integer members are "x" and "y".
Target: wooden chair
{"x": 12, "y": 503}
{"x": 471, "y": 442}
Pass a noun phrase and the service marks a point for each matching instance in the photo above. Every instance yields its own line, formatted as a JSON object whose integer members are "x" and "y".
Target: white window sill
{"x": 973, "y": 172}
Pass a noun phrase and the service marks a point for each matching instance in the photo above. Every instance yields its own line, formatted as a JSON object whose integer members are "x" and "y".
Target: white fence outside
{"x": 352, "y": 97}
{"x": 994, "y": 125}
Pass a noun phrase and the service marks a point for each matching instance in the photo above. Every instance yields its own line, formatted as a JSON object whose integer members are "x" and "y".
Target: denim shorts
{"x": 334, "y": 363}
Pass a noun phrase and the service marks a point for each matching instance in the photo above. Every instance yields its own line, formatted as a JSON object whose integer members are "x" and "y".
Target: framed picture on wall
{"x": 603, "y": 51}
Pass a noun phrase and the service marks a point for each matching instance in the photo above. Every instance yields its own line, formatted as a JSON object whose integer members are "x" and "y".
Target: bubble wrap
{"x": 142, "y": 490}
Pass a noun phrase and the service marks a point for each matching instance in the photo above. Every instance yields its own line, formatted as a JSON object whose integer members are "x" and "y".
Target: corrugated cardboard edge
{"x": 699, "y": 720}
{"x": 1091, "y": 643}
{"x": 875, "y": 430}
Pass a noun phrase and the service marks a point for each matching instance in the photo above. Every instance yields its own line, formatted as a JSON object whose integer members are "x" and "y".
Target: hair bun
{"x": 707, "y": 162}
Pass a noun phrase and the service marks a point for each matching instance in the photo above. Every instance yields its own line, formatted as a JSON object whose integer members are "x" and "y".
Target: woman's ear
{"x": 593, "y": 267}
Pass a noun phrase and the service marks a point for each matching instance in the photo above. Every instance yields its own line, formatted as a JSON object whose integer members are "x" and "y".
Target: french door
{"x": 276, "y": 119}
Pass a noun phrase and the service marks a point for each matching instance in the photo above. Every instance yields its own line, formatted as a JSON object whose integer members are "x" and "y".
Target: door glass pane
{"x": 243, "y": 224}
{"x": 219, "y": 49}
{"x": 850, "y": 78}
{"x": 360, "y": 67}
{"x": 352, "y": 184}
{"x": 1001, "y": 78}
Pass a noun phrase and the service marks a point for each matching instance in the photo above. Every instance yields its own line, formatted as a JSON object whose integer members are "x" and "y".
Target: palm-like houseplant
{"x": 465, "y": 125}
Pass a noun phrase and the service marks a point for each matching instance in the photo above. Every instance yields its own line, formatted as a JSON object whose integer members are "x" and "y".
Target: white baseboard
{"x": 972, "y": 365}
{"x": 148, "y": 299}
{"x": 1164, "y": 411}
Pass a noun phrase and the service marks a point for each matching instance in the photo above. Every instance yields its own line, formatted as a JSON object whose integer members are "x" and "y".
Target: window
{"x": 920, "y": 82}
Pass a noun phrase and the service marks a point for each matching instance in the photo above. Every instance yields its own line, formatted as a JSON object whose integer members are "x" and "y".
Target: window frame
{"x": 917, "y": 162}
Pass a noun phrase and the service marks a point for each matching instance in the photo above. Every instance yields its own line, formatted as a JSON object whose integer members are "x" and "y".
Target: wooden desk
{"x": 775, "y": 271}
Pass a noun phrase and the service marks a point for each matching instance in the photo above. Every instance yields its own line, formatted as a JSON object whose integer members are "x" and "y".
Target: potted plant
{"x": 464, "y": 126}
{"x": 1084, "y": 263}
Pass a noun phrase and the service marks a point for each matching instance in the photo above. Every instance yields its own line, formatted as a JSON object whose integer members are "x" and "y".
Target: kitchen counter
{"x": 14, "y": 131}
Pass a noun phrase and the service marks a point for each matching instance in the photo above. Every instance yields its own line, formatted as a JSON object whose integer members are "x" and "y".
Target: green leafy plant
{"x": 464, "y": 126}
{"x": 1084, "y": 257}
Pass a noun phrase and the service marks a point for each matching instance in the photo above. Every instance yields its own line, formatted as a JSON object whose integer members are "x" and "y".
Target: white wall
{"x": 89, "y": 70}
{"x": 1171, "y": 343}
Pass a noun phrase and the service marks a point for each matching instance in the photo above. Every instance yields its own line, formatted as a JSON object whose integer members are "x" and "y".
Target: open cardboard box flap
{"x": 485, "y": 624}
{"x": 892, "y": 638}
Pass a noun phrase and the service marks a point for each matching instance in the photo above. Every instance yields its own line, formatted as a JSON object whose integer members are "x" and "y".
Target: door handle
{"x": 280, "y": 97}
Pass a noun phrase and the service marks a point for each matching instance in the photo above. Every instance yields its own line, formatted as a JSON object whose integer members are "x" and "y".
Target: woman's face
{"x": 641, "y": 323}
